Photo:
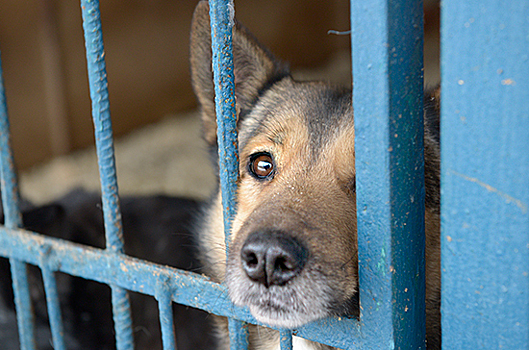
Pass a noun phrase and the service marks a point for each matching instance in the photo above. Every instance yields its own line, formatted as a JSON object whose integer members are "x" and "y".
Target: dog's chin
{"x": 281, "y": 318}
{"x": 289, "y": 306}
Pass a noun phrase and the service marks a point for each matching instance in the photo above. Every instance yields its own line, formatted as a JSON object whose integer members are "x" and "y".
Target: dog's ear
{"x": 254, "y": 66}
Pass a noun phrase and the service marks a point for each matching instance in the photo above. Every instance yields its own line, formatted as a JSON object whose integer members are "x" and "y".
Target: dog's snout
{"x": 272, "y": 258}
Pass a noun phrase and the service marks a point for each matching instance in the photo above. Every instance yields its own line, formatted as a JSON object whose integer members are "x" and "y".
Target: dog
{"x": 157, "y": 228}
{"x": 293, "y": 252}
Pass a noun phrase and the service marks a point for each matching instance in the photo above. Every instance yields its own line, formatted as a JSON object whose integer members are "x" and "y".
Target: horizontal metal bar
{"x": 136, "y": 275}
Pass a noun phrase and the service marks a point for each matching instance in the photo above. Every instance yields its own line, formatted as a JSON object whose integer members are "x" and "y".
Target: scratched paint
{"x": 508, "y": 198}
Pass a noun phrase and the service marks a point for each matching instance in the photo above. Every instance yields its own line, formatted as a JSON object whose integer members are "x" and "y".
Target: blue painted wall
{"x": 485, "y": 174}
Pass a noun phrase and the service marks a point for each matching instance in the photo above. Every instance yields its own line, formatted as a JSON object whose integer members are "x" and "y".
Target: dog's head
{"x": 293, "y": 254}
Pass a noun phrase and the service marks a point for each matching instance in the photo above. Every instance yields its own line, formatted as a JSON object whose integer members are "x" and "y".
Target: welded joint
{"x": 48, "y": 258}
{"x": 163, "y": 289}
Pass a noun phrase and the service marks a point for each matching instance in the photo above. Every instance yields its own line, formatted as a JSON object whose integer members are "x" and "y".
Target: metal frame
{"x": 485, "y": 109}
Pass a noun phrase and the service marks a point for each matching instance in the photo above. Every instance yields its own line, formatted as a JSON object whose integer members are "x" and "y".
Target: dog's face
{"x": 293, "y": 254}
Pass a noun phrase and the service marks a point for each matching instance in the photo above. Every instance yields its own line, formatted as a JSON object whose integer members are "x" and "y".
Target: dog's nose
{"x": 272, "y": 257}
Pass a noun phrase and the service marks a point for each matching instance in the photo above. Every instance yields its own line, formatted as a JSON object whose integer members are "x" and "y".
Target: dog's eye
{"x": 261, "y": 165}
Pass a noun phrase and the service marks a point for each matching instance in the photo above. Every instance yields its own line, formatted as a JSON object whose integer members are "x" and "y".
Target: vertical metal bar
{"x": 285, "y": 340}
{"x": 222, "y": 17}
{"x": 13, "y": 219}
{"x": 238, "y": 334}
{"x": 24, "y": 307}
{"x": 222, "y": 14}
{"x": 107, "y": 169}
{"x": 485, "y": 174}
{"x": 122, "y": 318}
{"x": 54, "y": 309}
{"x": 165, "y": 307}
{"x": 387, "y": 42}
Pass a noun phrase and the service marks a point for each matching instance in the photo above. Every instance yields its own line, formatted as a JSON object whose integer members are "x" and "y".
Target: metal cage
{"x": 485, "y": 188}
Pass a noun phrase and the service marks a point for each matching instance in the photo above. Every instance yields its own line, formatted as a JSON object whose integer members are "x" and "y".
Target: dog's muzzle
{"x": 272, "y": 272}
{"x": 272, "y": 257}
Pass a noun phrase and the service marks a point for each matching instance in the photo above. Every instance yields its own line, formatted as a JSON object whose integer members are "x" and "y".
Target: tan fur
{"x": 307, "y": 128}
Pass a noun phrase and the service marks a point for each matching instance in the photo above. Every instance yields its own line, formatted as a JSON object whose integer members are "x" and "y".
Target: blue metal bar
{"x": 54, "y": 309}
{"x": 165, "y": 307}
{"x": 222, "y": 17}
{"x": 97, "y": 77}
{"x": 142, "y": 276}
{"x": 485, "y": 167}
{"x": 133, "y": 274}
{"x": 285, "y": 340}
{"x": 23, "y": 304}
{"x": 387, "y": 41}
{"x": 10, "y": 195}
{"x": 107, "y": 169}
{"x": 222, "y": 14}
{"x": 238, "y": 333}
{"x": 13, "y": 219}
{"x": 122, "y": 317}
